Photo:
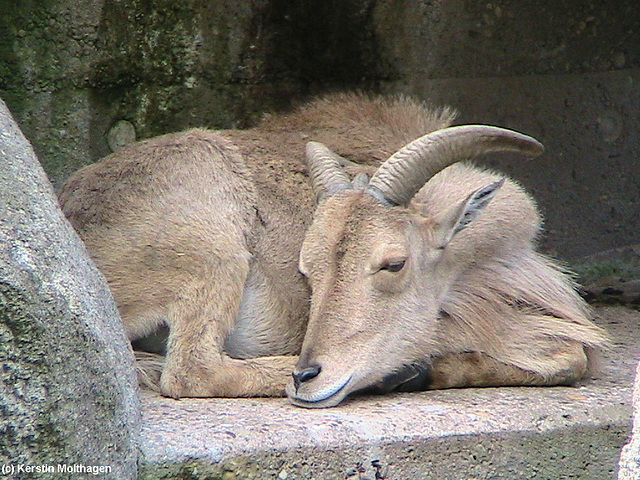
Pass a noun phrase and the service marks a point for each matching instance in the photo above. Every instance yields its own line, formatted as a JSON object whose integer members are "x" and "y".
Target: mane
{"x": 514, "y": 305}
{"x": 362, "y": 127}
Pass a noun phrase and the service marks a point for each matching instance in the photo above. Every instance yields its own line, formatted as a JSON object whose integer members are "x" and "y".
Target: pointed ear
{"x": 460, "y": 216}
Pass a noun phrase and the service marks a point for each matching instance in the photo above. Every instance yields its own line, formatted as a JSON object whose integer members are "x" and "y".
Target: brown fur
{"x": 487, "y": 308}
{"x": 202, "y": 231}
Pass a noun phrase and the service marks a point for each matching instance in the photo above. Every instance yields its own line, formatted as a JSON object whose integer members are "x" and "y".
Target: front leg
{"x": 231, "y": 377}
{"x": 475, "y": 369}
{"x": 255, "y": 377}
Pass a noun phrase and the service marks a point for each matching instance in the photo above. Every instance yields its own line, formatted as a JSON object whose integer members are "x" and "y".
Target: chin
{"x": 314, "y": 395}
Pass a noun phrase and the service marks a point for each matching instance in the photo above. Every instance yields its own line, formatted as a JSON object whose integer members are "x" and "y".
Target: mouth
{"x": 327, "y": 397}
{"x": 411, "y": 377}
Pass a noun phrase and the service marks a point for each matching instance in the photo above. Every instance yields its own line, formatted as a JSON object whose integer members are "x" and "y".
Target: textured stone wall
{"x": 68, "y": 389}
{"x": 71, "y": 71}
{"x": 81, "y": 75}
{"x": 629, "y": 467}
{"x": 566, "y": 72}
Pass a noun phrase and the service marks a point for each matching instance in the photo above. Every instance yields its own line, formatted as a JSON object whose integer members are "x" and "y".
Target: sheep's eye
{"x": 393, "y": 266}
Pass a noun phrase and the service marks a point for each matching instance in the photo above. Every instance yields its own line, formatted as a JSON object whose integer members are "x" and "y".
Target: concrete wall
{"x": 563, "y": 71}
{"x": 77, "y": 74}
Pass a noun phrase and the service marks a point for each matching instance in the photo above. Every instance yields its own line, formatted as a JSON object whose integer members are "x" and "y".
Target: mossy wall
{"x": 70, "y": 70}
{"x": 565, "y": 71}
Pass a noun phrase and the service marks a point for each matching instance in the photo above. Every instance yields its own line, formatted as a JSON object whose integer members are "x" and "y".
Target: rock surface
{"x": 629, "y": 468}
{"x": 555, "y": 433}
{"x": 565, "y": 72}
{"x": 68, "y": 392}
{"x": 611, "y": 276}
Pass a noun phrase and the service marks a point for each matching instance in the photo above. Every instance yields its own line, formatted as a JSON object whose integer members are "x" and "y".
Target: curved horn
{"x": 406, "y": 171}
{"x": 325, "y": 172}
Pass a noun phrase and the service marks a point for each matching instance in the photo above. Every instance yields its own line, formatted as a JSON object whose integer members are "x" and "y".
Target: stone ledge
{"x": 555, "y": 433}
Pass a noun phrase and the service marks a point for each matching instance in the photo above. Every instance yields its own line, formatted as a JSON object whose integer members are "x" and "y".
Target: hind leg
{"x": 199, "y": 320}
{"x": 474, "y": 369}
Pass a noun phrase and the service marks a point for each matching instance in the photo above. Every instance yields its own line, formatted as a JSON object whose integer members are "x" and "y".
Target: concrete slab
{"x": 546, "y": 433}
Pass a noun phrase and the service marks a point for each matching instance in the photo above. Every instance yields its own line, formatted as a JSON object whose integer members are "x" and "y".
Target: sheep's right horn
{"x": 326, "y": 173}
{"x": 400, "y": 177}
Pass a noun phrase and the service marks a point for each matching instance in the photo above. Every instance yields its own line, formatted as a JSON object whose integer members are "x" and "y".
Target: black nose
{"x": 300, "y": 376}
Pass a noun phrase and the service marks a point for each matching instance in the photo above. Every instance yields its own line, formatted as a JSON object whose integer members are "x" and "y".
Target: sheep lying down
{"x": 347, "y": 246}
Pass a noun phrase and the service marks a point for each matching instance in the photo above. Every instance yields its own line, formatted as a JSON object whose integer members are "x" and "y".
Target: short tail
{"x": 149, "y": 368}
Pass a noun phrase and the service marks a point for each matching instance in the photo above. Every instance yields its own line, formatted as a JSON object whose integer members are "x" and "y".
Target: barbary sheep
{"x": 424, "y": 276}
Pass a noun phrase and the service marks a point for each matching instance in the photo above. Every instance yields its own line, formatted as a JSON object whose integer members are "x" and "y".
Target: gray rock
{"x": 611, "y": 276}
{"x": 68, "y": 394}
{"x": 629, "y": 468}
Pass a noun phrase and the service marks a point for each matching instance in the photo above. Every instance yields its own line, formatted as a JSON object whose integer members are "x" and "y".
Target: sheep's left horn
{"x": 326, "y": 173}
{"x": 400, "y": 177}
